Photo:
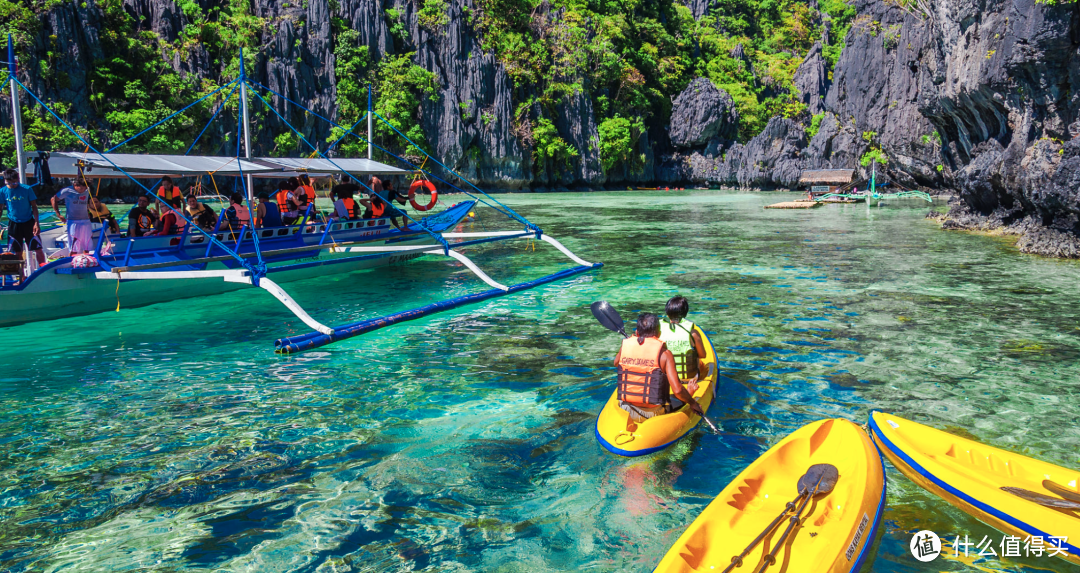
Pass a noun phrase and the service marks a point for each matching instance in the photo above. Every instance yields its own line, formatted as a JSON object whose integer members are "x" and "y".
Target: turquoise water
{"x": 172, "y": 438}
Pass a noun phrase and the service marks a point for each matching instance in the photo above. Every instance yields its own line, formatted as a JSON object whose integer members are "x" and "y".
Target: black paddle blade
{"x": 607, "y": 316}
{"x": 1043, "y": 500}
{"x": 821, "y": 477}
{"x": 1061, "y": 490}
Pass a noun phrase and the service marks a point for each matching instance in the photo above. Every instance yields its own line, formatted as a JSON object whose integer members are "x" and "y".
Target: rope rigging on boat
{"x": 239, "y": 256}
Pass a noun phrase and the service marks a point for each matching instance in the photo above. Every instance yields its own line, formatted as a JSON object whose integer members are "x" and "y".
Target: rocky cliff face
{"x": 975, "y": 95}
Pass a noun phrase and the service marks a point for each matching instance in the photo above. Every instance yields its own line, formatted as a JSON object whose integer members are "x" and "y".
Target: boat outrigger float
{"x": 147, "y": 270}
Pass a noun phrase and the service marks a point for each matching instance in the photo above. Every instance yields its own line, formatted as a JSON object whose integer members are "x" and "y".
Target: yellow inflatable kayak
{"x": 837, "y": 528}
{"x": 621, "y": 436}
{"x": 970, "y": 476}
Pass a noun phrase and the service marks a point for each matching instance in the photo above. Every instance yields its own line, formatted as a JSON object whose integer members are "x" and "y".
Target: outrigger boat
{"x": 202, "y": 262}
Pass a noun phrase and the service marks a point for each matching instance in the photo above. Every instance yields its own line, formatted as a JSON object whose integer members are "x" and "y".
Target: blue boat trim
{"x": 292, "y": 345}
{"x": 1029, "y": 529}
{"x": 865, "y": 553}
{"x": 634, "y": 453}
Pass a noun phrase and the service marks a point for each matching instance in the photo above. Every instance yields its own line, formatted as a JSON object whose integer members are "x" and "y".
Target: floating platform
{"x": 804, "y": 204}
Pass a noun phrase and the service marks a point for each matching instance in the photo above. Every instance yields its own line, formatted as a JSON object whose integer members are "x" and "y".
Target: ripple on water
{"x": 172, "y": 438}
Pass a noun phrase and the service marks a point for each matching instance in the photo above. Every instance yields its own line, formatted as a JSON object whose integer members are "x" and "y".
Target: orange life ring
{"x": 427, "y": 186}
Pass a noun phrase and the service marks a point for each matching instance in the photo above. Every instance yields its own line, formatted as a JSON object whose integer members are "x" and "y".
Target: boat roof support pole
{"x": 16, "y": 111}
{"x": 369, "y": 147}
{"x": 247, "y": 134}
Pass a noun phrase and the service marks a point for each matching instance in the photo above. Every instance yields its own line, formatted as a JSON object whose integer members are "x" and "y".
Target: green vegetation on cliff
{"x": 632, "y": 57}
{"x": 629, "y": 57}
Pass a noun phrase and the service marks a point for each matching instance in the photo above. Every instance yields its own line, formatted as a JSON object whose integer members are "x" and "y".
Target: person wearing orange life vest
{"x": 286, "y": 200}
{"x": 307, "y": 188}
{"x": 171, "y": 223}
{"x": 167, "y": 192}
{"x": 345, "y": 207}
{"x": 647, "y": 375}
{"x": 237, "y": 215}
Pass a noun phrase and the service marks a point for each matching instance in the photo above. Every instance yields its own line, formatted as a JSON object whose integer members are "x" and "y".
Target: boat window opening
{"x": 268, "y": 234}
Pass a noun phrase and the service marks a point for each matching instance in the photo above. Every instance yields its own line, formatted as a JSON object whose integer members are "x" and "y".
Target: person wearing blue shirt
{"x": 21, "y": 203}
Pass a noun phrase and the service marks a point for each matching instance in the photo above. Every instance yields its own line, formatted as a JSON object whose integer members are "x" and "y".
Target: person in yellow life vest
{"x": 683, "y": 341}
{"x": 648, "y": 381}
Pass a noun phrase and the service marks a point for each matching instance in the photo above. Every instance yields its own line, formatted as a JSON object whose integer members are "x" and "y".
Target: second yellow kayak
{"x": 970, "y": 476}
{"x": 837, "y": 529}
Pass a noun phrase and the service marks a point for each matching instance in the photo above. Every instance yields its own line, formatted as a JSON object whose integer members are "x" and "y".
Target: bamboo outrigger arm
{"x": 228, "y": 275}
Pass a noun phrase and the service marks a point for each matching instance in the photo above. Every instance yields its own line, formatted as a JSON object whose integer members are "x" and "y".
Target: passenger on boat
{"x": 382, "y": 208}
{"x": 647, "y": 376}
{"x": 141, "y": 219}
{"x": 76, "y": 201}
{"x": 237, "y": 214}
{"x": 392, "y": 196}
{"x": 200, "y": 213}
{"x": 286, "y": 201}
{"x": 683, "y": 341}
{"x": 99, "y": 213}
{"x": 170, "y": 223}
{"x": 307, "y": 188}
{"x": 167, "y": 192}
{"x": 345, "y": 207}
{"x": 267, "y": 213}
{"x": 21, "y": 203}
{"x": 302, "y": 207}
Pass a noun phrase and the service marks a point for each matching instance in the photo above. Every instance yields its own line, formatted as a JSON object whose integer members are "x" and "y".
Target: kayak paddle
{"x": 819, "y": 479}
{"x": 1043, "y": 500}
{"x": 611, "y": 320}
{"x": 826, "y": 475}
{"x": 1061, "y": 490}
{"x": 608, "y": 317}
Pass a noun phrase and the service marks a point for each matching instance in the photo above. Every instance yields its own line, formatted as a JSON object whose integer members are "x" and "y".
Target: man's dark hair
{"x": 192, "y": 196}
{"x": 11, "y": 175}
{"x": 677, "y": 307}
{"x": 80, "y": 182}
{"x": 166, "y": 179}
{"x": 237, "y": 198}
{"x": 648, "y": 326}
{"x": 141, "y": 197}
{"x": 285, "y": 185}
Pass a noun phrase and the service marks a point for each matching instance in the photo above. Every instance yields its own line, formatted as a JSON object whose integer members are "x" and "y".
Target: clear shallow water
{"x": 171, "y": 437}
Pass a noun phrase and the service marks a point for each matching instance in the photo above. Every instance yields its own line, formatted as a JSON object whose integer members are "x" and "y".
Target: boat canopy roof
{"x": 65, "y": 164}
{"x": 318, "y": 166}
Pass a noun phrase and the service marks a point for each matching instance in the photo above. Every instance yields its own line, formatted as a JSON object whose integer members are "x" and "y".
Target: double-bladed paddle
{"x": 1061, "y": 490}
{"x": 1043, "y": 499}
{"x": 611, "y": 320}
{"x": 608, "y": 317}
{"x": 819, "y": 479}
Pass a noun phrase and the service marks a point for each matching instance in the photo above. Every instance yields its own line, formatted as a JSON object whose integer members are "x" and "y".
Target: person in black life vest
{"x": 683, "y": 341}
{"x": 141, "y": 219}
{"x": 648, "y": 378}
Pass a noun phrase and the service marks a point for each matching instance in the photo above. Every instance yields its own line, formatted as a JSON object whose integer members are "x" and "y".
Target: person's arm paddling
{"x": 667, "y": 364}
